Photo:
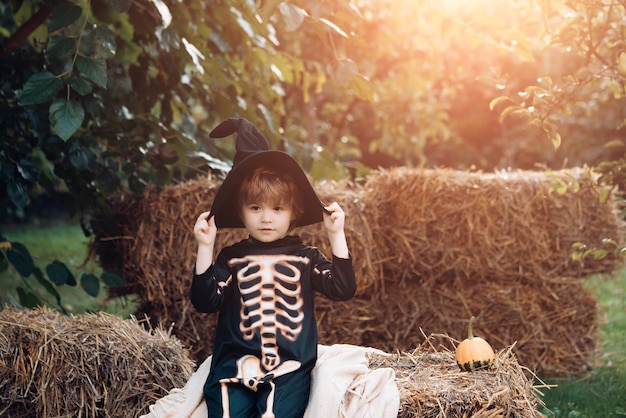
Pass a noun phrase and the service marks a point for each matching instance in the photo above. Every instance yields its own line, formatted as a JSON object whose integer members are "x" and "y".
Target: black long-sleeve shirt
{"x": 265, "y": 294}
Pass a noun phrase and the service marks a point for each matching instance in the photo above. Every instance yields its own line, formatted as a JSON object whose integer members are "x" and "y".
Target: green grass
{"x": 599, "y": 393}
{"x": 602, "y": 391}
{"x": 65, "y": 242}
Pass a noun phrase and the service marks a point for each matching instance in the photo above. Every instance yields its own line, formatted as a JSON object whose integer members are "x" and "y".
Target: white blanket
{"x": 342, "y": 386}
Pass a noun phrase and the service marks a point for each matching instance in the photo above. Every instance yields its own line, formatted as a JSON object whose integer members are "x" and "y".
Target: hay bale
{"x": 504, "y": 226}
{"x": 468, "y": 236}
{"x": 403, "y": 223}
{"x": 431, "y": 384}
{"x": 92, "y": 365}
{"x": 554, "y": 325}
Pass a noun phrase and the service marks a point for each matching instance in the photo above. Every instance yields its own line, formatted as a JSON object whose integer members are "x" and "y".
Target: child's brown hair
{"x": 266, "y": 185}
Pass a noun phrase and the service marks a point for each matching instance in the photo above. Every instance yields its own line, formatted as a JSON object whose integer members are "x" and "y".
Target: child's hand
{"x": 334, "y": 221}
{"x": 205, "y": 229}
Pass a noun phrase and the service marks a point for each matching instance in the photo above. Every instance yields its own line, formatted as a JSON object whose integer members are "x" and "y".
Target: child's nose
{"x": 266, "y": 215}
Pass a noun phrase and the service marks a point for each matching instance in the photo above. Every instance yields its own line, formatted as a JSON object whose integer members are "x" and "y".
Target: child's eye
{"x": 278, "y": 208}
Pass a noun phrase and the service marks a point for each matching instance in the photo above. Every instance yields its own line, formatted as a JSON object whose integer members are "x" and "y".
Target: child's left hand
{"x": 334, "y": 222}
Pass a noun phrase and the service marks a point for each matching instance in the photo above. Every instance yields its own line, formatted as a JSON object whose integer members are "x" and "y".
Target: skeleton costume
{"x": 266, "y": 336}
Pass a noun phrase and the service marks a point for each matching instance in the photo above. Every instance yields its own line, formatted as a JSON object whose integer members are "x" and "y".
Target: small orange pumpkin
{"x": 474, "y": 352}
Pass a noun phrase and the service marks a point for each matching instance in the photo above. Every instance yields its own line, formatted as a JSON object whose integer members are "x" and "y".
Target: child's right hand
{"x": 205, "y": 229}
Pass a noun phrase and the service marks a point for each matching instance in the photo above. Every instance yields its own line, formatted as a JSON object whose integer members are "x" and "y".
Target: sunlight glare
{"x": 456, "y": 5}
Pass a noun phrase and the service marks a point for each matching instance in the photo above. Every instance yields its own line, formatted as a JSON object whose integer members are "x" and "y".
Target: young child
{"x": 264, "y": 286}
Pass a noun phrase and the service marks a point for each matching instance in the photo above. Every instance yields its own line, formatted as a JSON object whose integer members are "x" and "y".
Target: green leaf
{"x": 243, "y": 24}
{"x": 609, "y": 241}
{"x": 27, "y": 170}
{"x": 90, "y": 284}
{"x": 79, "y": 159}
{"x": 509, "y": 111}
{"x": 495, "y": 102}
{"x": 599, "y": 254}
{"x": 71, "y": 280}
{"x": 66, "y": 116}
{"x": 58, "y": 273}
{"x": 112, "y": 279}
{"x": 105, "y": 41}
{"x": 93, "y": 69}
{"x": 40, "y": 88}
{"x": 334, "y": 27}
{"x": 17, "y": 193}
{"x": 28, "y": 299}
{"x": 293, "y": 16}
{"x": 559, "y": 186}
{"x": 50, "y": 288}
{"x": 80, "y": 85}
{"x": 555, "y": 138}
{"x": 616, "y": 143}
{"x": 21, "y": 259}
{"x": 362, "y": 88}
{"x": 60, "y": 47}
{"x": 63, "y": 14}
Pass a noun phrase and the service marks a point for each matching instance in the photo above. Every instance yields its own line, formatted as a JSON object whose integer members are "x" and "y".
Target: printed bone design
{"x": 271, "y": 304}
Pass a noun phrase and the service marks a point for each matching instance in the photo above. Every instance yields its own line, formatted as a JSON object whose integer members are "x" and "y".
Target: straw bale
{"x": 404, "y": 223}
{"x": 92, "y": 365}
{"x": 554, "y": 325}
{"x": 504, "y": 225}
{"x": 432, "y": 386}
{"x": 426, "y": 232}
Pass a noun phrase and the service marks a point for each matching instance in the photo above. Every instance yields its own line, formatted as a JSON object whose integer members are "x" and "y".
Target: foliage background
{"x": 102, "y": 96}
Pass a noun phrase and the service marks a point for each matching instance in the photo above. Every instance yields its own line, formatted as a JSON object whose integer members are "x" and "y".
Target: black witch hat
{"x": 252, "y": 151}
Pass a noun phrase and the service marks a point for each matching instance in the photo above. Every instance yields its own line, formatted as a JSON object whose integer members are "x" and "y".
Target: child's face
{"x": 266, "y": 222}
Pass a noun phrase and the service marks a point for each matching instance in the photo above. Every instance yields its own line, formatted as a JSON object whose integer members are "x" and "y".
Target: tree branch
{"x": 24, "y": 31}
